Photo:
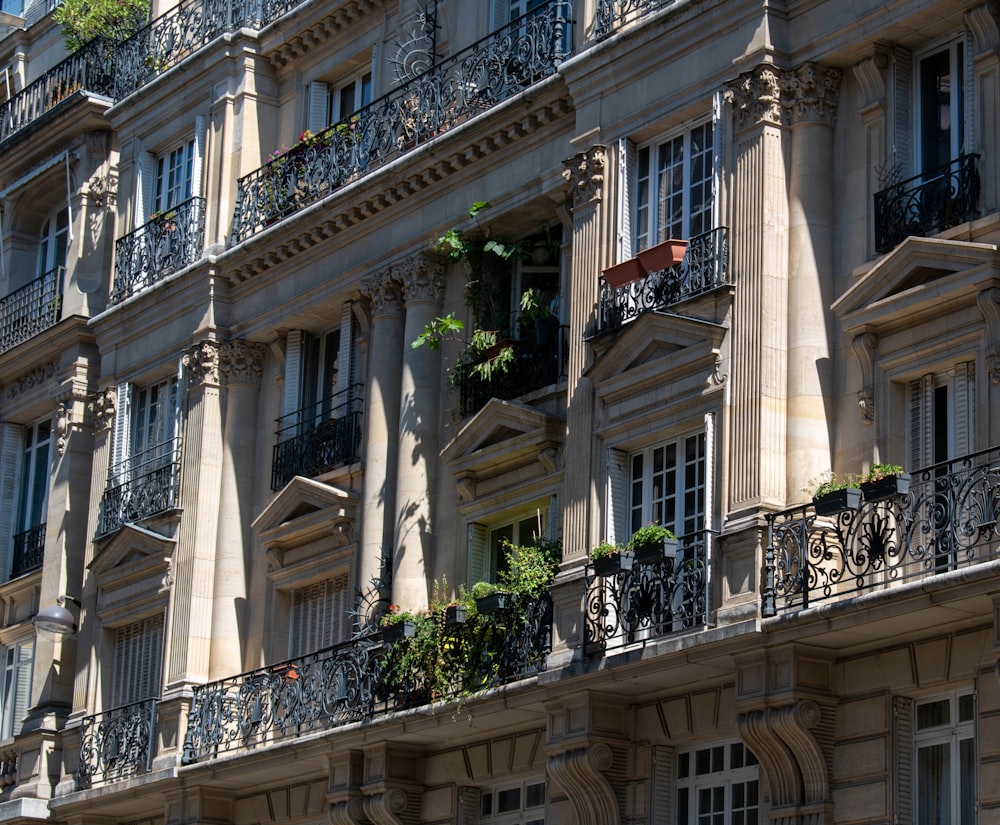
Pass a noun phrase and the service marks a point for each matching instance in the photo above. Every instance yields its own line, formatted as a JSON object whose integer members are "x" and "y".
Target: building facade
{"x": 223, "y": 460}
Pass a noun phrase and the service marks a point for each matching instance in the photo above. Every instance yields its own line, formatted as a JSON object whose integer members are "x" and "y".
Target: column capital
{"x": 201, "y": 362}
{"x": 241, "y": 362}
{"x": 383, "y": 291}
{"x": 102, "y": 408}
{"x": 420, "y": 278}
{"x": 585, "y": 173}
{"x": 785, "y": 97}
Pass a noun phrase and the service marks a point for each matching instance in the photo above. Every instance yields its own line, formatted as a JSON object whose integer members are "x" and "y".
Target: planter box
{"x": 658, "y": 552}
{"x": 609, "y": 565}
{"x": 886, "y": 488}
{"x": 399, "y": 630}
{"x": 836, "y": 501}
{"x": 623, "y": 273}
{"x": 455, "y": 614}
{"x": 663, "y": 255}
{"x": 494, "y": 603}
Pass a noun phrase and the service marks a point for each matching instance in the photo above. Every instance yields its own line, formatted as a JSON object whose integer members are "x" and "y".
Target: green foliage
{"x": 651, "y": 534}
{"x": 828, "y": 482}
{"x": 531, "y": 568}
{"x": 397, "y": 615}
{"x": 83, "y": 20}
{"x": 880, "y": 471}
{"x": 480, "y": 590}
{"x": 605, "y": 550}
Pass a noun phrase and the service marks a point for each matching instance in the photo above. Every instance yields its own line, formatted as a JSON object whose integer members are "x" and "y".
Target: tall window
{"x": 138, "y": 659}
{"x": 942, "y": 415}
{"x": 945, "y": 760}
{"x": 331, "y": 101}
{"x": 154, "y": 421}
{"x": 667, "y": 486}
{"x": 174, "y": 176}
{"x": 53, "y": 241}
{"x": 941, "y": 106}
{"x": 29, "y": 530}
{"x": 675, "y": 187}
{"x": 487, "y": 543}
{"x": 319, "y": 616}
{"x": 504, "y": 11}
{"x": 513, "y": 803}
{"x": 18, "y": 658}
{"x": 718, "y": 785}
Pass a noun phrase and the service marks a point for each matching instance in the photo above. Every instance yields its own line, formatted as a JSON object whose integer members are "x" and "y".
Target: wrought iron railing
{"x": 90, "y": 68}
{"x": 705, "y": 267}
{"x": 947, "y": 521}
{"x": 318, "y": 438}
{"x": 28, "y": 551}
{"x": 8, "y": 769}
{"x": 927, "y": 203}
{"x": 361, "y": 679}
{"x": 141, "y": 486}
{"x": 534, "y": 366}
{"x": 116, "y": 744}
{"x": 31, "y": 309}
{"x": 648, "y": 601}
{"x": 166, "y": 243}
{"x": 612, "y": 15}
{"x": 451, "y": 92}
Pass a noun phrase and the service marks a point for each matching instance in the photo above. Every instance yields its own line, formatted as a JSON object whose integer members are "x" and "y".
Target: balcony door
{"x": 53, "y": 242}
{"x": 940, "y": 107}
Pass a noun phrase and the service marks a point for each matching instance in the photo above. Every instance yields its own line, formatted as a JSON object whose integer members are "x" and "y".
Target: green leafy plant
{"x": 482, "y": 589}
{"x": 531, "y": 568}
{"x": 830, "y": 483}
{"x": 605, "y": 550}
{"x": 83, "y": 20}
{"x": 880, "y": 471}
{"x": 651, "y": 534}
{"x": 397, "y": 615}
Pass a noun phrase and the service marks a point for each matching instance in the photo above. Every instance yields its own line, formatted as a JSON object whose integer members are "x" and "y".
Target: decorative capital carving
{"x": 384, "y": 292}
{"x": 783, "y": 97}
{"x": 102, "y": 409}
{"x": 347, "y": 811}
{"x": 811, "y": 91}
{"x": 201, "y": 362}
{"x": 63, "y": 416}
{"x": 864, "y": 346}
{"x": 30, "y": 380}
{"x": 420, "y": 278}
{"x": 241, "y": 362}
{"x": 982, "y": 22}
{"x": 103, "y": 190}
{"x": 585, "y": 173}
{"x": 756, "y": 97}
{"x": 580, "y": 773}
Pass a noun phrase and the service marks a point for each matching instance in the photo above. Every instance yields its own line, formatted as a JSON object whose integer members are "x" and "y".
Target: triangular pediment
{"x": 915, "y": 280}
{"x": 132, "y": 547}
{"x": 305, "y": 510}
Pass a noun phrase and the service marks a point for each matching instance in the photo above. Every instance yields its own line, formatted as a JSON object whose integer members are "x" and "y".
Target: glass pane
{"x": 934, "y": 784}
{"x": 508, "y": 800}
{"x": 966, "y": 708}
{"x": 967, "y": 780}
{"x": 933, "y": 714}
{"x": 534, "y": 795}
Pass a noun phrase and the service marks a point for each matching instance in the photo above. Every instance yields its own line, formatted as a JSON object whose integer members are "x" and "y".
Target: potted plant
{"x": 398, "y": 624}
{"x": 489, "y": 598}
{"x": 883, "y": 481}
{"x": 530, "y": 568}
{"x": 832, "y": 495}
{"x": 663, "y": 255}
{"x": 653, "y": 543}
{"x": 609, "y": 558}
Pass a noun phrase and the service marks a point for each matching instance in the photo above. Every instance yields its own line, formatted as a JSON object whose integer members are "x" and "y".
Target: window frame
{"x": 953, "y": 734}
{"x": 523, "y": 814}
{"x": 26, "y": 495}
{"x": 650, "y": 510}
{"x": 331, "y": 626}
{"x": 15, "y": 698}
{"x": 485, "y": 560}
{"x": 689, "y": 785}
{"x": 53, "y": 241}
{"x": 956, "y": 48}
{"x": 174, "y": 176}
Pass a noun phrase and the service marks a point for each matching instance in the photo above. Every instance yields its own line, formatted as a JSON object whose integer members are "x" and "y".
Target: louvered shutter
{"x": 345, "y": 375}
{"x": 121, "y": 441}
{"x": 663, "y": 784}
{"x": 969, "y": 88}
{"x": 319, "y": 616}
{"x": 293, "y": 372}
{"x": 145, "y": 188}
{"x": 479, "y": 553}
{"x": 921, "y": 394}
{"x": 23, "y": 667}
{"x": 617, "y": 496}
{"x": 902, "y": 110}
{"x": 902, "y": 759}
{"x": 468, "y": 806}
{"x": 318, "y": 102}
{"x": 11, "y": 455}
{"x": 965, "y": 408}
{"x": 501, "y": 14}
{"x": 198, "y": 157}
{"x": 138, "y": 655}
{"x": 717, "y": 138}
{"x": 625, "y": 205}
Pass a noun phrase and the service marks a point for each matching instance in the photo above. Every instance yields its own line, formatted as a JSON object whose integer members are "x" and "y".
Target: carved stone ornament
{"x": 580, "y": 772}
{"x": 420, "y": 278}
{"x": 102, "y": 409}
{"x": 384, "y": 292}
{"x": 756, "y": 97}
{"x": 385, "y": 808}
{"x": 103, "y": 190}
{"x": 811, "y": 93}
{"x": 585, "y": 173}
{"x": 201, "y": 363}
{"x": 30, "y": 380}
{"x": 864, "y": 350}
{"x": 783, "y": 97}
{"x": 988, "y": 302}
{"x": 63, "y": 416}
{"x": 241, "y": 362}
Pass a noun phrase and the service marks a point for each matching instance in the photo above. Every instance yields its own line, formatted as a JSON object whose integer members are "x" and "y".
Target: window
{"x": 24, "y": 481}
{"x": 487, "y": 542}
{"x": 138, "y": 659}
{"x": 170, "y": 177}
{"x": 940, "y": 106}
{"x": 718, "y": 785}
{"x": 514, "y": 803}
{"x": 504, "y": 11}
{"x": 667, "y": 486}
{"x": 52, "y": 243}
{"x": 330, "y": 102}
{"x": 945, "y": 759}
{"x": 319, "y": 616}
{"x": 16, "y": 698}
{"x": 942, "y": 415}
{"x": 153, "y": 413}
{"x": 174, "y": 176}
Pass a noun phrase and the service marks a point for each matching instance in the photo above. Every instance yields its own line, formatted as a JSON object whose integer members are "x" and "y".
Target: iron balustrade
{"x": 166, "y": 243}
{"x": 32, "y": 309}
{"x": 534, "y": 366}
{"x": 947, "y": 521}
{"x": 705, "y": 267}
{"x": 927, "y": 203}
{"x": 141, "y": 486}
{"x": 116, "y": 744}
{"x": 650, "y": 600}
{"x": 612, "y": 15}
{"x": 318, "y": 438}
{"x": 449, "y": 93}
{"x": 29, "y": 548}
{"x": 90, "y": 68}
{"x": 362, "y": 679}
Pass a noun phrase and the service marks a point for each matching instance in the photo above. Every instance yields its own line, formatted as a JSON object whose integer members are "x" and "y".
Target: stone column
{"x": 984, "y": 24}
{"x": 420, "y": 400}
{"x": 812, "y": 109}
{"x": 378, "y": 487}
{"x": 240, "y": 370}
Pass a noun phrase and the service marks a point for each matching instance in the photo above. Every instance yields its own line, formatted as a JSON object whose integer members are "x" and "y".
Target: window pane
{"x": 966, "y": 708}
{"x": 933, "y": 714}
{"x": 967, "y": 780}
{"x": 534, "y": 795}
{"x": 934, "y": 784}
{"x": 508, "y": 800}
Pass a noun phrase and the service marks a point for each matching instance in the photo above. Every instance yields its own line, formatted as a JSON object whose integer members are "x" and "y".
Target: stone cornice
{"x": 345, "y": 17}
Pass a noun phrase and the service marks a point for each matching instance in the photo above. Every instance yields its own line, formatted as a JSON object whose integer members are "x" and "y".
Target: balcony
{"x": 705, "y": 267}
{"x": 116, "y": 744}
{"x": 947, "y": 521}
{"x": 648, "y": 601}
{"x": 160, "y": 247}
{"x": 318, "y": 438}
{"x": 612, "y": 15}
{"x": 451, "y": 92}
{"x": 141, "y": 486}
{"x": 927, "y": 203}
{"x": 28, "y": 550}
{"x": 32, "y": 309}
{"x": 90, "y": 68}
{"x": 362, "y": 680}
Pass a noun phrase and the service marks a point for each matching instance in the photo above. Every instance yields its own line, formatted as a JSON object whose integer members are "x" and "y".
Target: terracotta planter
{"x": 623, "y": 273}
{"x": 663, "y": 255}
{"x": 399, "y": 630}
{"x": 835, "y": 501}
{"x": 609, "y": 565}
{"x": 493, "y": 603}
{"x": 886, "y": 488}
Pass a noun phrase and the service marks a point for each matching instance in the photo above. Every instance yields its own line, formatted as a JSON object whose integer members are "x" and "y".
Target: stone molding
{"x": 30, "y": 380}
{"x": 864, "y": 349}
{"x": 348, "y": 811}
{"x": 580, "y": 772}
{"x": 585, "y": 173}
{"x": 871, "y": 76}
{"x": 786, "y": 97}
{"x": 384, "y": 808}
{"x": 102, "y": 409}
{"x": 201, "y": 363}
{"x": 982, "y": 22}
{"x": 989, "y": 305}
{"x": 241, "y": 362}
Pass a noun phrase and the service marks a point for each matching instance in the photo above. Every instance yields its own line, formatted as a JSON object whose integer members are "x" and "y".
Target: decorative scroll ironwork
{"x": 141, "y": 486}
{"x": 534, "y": 366}
{"x": 947, "y": 521}
{"x": 361, "y": 679}
{"x": 318, "y": 438}
{"x": 29, "y": 548}
{"x": 649, "y": 601}
{"x": 90, "y": 68}
{"x": 453, "y": 91}
{"x": 117, "y": 743}
{"x": 705, "y": 267}
{"x": 166, "y": 243}
{"x": 32, "y": 309}
{"x": 612, "y": 15}
{"x": 927, "y": 203}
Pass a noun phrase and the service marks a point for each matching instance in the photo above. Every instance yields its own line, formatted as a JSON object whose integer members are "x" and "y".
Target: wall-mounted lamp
{"x": 56, "y": 621}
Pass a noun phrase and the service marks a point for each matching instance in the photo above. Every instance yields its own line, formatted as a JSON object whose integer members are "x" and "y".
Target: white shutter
{"x": 23, "y": 667}
{"x": 293, "y": 372}
{"x": 11, "y": 455}
{"x": 717, "y": 138}
{"x": 921, "y": 394}
{"x": 626, "y": 188}
{"x": 318, "y": 102}
{"x": 145, "y": 188}
{"x": 120, "y": 446}
{"x": 345, "y": 375}
{"x": 479, "y": 553}
{"x": 965, "y": 408}
{"x": 198, "y": 158}
{"x": 138, "y": 655}
{"x": 902, "y": 110}
{"x": 617, "y": 496}
{"x": 663, "y": 783}
{"x": 500, "y": 14}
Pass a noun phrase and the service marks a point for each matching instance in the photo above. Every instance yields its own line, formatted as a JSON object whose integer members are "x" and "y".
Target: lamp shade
{"x": 54, "y": 622}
